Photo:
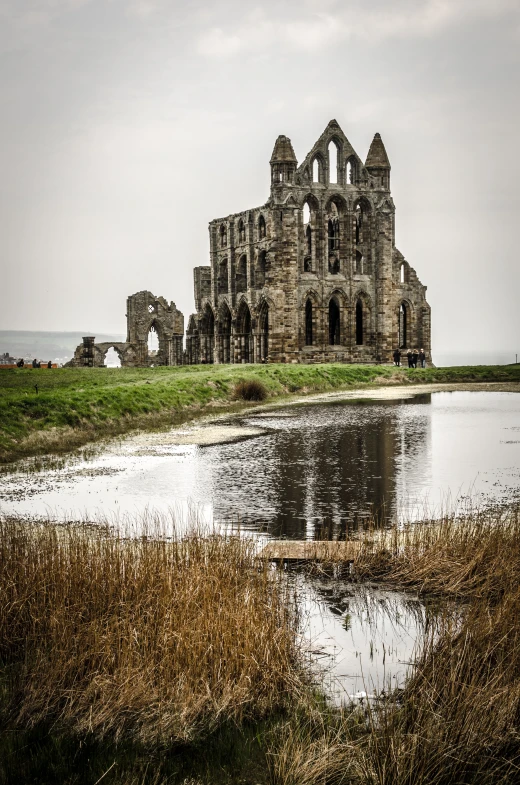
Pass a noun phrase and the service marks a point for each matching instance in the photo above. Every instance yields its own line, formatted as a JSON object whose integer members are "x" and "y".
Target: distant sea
{"x": 443, "y": 359}
{"x": 59, "y": 347}
{"x": 56, "y": 346}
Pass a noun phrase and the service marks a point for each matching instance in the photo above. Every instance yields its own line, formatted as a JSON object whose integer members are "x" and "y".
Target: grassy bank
{"x": 74, "y": 406}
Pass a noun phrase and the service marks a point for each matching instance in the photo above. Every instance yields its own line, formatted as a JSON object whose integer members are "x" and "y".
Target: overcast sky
{"x": 127, "y": 125}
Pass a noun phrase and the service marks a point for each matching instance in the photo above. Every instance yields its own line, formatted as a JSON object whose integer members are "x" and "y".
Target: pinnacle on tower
{"x": 283, "y": 151}
{"x": 377, "y": 157}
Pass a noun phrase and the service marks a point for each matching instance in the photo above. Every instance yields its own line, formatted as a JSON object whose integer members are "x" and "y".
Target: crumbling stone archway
{"x": 100, "y": 351}
{"x": 113, "y": 358}
{"x": 143, "y": 310}
{"x": 207, "y": 335}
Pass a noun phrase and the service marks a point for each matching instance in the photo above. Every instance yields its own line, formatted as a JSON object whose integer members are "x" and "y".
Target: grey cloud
{"x": 311, "y": 30}
{"x": 123, "y": 133}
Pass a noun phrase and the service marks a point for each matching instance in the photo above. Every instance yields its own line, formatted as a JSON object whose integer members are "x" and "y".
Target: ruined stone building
{"x": 145, "y": 313}
{"x": 313, "y": 275}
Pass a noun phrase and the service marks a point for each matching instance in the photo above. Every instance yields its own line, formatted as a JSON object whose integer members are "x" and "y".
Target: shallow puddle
{"x": 360, "y": 640}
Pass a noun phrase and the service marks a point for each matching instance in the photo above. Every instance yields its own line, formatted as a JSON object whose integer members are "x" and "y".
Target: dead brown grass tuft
{"x": 250, "y": 390}
{"x": 148, "y": 639}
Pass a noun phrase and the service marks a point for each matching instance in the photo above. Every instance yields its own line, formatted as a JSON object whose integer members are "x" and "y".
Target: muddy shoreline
{"x": 189, "y": 423}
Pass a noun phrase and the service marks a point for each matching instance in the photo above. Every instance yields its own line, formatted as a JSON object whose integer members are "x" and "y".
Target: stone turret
{"x": 377, "y": 163}
{"x": 283, "y": 161}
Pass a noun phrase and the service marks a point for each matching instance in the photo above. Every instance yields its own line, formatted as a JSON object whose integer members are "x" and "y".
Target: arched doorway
{"x": 243, "y": 335}
{"x": 224, "y": 338}
{"x": 334, "y": 323}
{"x": 207, "y": 336}
{"x": 112, "y": 359}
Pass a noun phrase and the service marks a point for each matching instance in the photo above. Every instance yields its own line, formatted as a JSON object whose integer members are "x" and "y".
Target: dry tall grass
{"x": 145, "y": 638}
{"x": 457, "y": 722}
{"x": 475, "y": 556}
{"x": 161, "y": 641}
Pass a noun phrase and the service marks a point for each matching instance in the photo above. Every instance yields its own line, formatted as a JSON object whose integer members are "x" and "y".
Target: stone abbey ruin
{"x": 311, "y": 276}
{"x": 144, "y": 313}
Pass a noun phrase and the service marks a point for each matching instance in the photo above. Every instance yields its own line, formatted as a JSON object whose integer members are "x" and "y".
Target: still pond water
{"x": 308, "y": 471}
{"x": 301, "y": 471}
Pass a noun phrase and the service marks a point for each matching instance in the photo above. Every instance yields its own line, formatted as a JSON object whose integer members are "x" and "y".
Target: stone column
{"x": 382, "y": 265}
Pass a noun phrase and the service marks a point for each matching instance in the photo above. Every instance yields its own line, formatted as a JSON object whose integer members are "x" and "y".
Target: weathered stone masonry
{"x": 144, "y": 313}
{"x": 313, "y": 275}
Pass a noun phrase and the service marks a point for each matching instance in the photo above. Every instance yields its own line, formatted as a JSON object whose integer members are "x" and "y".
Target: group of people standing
{"x": 414, "y": 357}
{"x": 35, "y": 363}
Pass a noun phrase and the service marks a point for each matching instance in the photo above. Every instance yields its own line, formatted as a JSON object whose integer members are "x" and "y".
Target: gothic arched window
{"x": 403, "y": 326}
{"x": 223, "y": 236}
{"x": 260, "y": 269}
{"x": 351, "y": 171}
{"x": 333, "y": 161}
{"x": 308, "y": 323}
{"x": 359, "y": 322}
{"x": 223, "y": 277}
{"x": 334, "y": 323}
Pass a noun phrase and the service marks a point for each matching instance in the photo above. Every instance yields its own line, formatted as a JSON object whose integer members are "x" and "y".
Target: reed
{"x": 457, "y": 721}
{"x": 152, "y": 639}
{"x": 187, "y": 645}
{"x": 476, "y": 555}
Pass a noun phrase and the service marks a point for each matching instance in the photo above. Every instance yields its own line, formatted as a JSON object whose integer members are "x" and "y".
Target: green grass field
{"x": 75, "y": 405}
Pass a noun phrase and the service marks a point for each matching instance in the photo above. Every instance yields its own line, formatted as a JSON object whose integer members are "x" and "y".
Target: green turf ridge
{"x": 76, "y": 405}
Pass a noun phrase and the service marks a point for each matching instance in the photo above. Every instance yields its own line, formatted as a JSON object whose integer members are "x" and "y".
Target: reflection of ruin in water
{"x": 327, "y": 470}
{"x": 318, "y": 467}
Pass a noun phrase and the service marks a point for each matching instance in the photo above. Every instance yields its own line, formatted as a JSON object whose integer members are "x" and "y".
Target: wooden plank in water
{"x": 311, "y": 550}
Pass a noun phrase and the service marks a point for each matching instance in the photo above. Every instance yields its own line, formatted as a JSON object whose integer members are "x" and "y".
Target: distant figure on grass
{"x": 422, "y": 359}
{"x": 20, "y": 363}
{"x": 35, "y": 363}
{"x": 49, "y": 364}
{"x": 397, "y": 357}
{"x": 410, "y": 358}
{"x": 415, "y": 358}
